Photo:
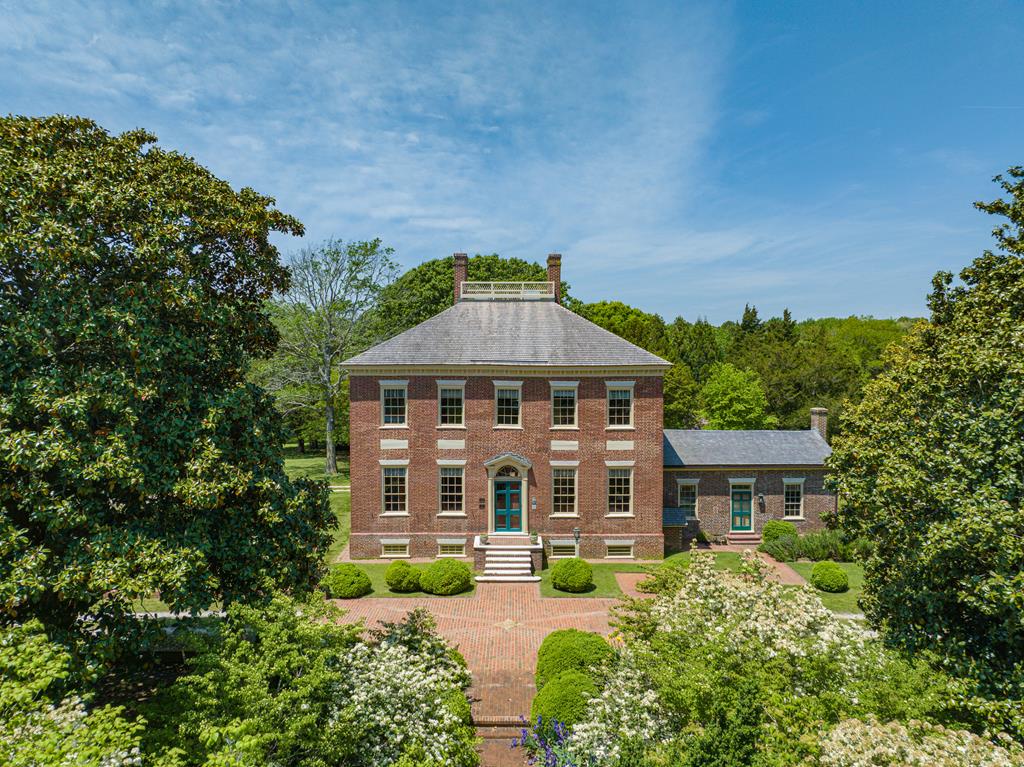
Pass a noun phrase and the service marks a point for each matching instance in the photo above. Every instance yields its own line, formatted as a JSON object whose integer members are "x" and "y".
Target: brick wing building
{"x": 508, "y": 428}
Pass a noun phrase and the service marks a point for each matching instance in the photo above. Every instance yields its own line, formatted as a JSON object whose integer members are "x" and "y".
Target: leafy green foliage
{"x": 785, "y": 548}
{"x": 346, "y": 581}
{"x": 574, "y": 575}
{"x": 563, "y": 699}
{"x": 733, "y": 730}
{"x": 682, "y": 398}
{"x": 134, "y": 457}
{"x": 445, "y": 577}
{"x": 828, "y": 576}
{"x": 41, "y": 722}
{"x": 776, "y": 528}
{"x": 931, "y": 469}
{"x": 402, "y": 577}
{"x": 734, "y": 399}
{"x": 570, "y": 650}
{"x": 647, "y": 331}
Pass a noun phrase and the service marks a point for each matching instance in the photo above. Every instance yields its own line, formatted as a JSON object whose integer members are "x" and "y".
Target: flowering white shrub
{"x": 855, "y": 743}
{"x": 402, "y": 703}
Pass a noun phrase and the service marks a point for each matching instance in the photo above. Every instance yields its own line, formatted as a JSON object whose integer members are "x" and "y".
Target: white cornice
{"x": 491, "y": 371}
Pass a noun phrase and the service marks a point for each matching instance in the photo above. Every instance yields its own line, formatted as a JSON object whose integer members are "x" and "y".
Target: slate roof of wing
{"x": 707, "y": 447}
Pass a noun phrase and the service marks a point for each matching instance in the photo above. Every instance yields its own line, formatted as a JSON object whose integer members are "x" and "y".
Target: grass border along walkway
{"x": 846, "y": 602}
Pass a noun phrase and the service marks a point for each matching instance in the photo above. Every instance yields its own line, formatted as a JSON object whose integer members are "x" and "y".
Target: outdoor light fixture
{"x": 760, "y": 501}
{"x": 576, "y": 535}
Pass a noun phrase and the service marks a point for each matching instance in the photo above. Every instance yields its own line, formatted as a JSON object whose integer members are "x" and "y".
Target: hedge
{"x": 402, "y": 577}
{"x": 347, "y": 581}
{"x": 572, "y": 575}
{"x": 570, "y": 650}
{"x": 828, "y": 576}
{"x": 775, "y": 528}
{"x": 563, "y": 699}
{"x": 446, "y": 577}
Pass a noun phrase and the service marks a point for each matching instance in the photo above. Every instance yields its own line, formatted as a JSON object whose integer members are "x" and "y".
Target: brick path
{"x": 498, "y": 630}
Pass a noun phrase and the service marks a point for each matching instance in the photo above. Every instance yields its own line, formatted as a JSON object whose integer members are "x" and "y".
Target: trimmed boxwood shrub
{"x": 446, "y": 577}
{"x": 563, "y": 699}
{"x": 572, "y": 575}
{"x": 776, "y": 528}
{"x": 828, "y": 576}
{"x": 347, "y": 581}
{"x": 402, "y": 577}
{"x": 786, "y": 548}
{"x": 570, "y": 650}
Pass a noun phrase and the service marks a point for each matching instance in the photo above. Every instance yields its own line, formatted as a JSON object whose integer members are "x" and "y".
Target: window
{"x": 450, "y": 398}
{"x": 620, "y": 407}
{"x": 563, "y": 492}
{"x": 394, "y": 490}
{"x": 620, "y": 551}
{"x": 507, "y": 471}
{"x": 392, "y": 403}
{"x": 793, "y": 499}
{"x": 563, "y": 406}
{"x": 451, "y": 489}
{"x": 559, "y": 550}
{"x": 451, "y": 549}
{"x": 507, "y": 405}
{"x": 620, "y": 491}
{"x": 393, "y": 550}
{"x": 688, "y": 499}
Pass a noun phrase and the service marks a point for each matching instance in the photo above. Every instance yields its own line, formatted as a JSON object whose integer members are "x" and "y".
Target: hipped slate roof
{"x": 699, "y": 447}
{"x": 512, "y": 333}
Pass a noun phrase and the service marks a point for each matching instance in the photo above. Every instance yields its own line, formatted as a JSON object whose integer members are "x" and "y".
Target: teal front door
{"x": 508, "y": 506}
{"x": 741, "y": 501}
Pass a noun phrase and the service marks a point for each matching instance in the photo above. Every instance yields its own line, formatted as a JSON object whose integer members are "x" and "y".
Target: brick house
{"x": 509, "y": 429}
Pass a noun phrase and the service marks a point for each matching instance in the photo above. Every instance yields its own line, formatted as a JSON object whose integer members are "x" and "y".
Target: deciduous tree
{"x": 734, "y": 399}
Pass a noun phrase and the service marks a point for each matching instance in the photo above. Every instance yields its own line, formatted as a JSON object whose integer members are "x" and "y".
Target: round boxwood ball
{"x": 347, "y": 581}
{"x": 563, "y": 699}
{"x": 402, "y": 577}
{"x": 570, "y": 650}
{"x": 828, "y": 576}
{"x": 776, "y": 528}
{"x": 445, "y": 577}
{"x": 572, "y": 575}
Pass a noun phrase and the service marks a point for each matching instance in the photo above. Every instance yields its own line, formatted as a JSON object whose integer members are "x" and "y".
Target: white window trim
{"x": 574, "y": 465}
{"x": 508, "y": 385}
{"x": 619, "y": 386}
{"x": 394, "y": 542}
{"x": 451, "y": 542}
{"x": 609, "y": 543}
{"x": 632, "y": 498}
{"x": 574, "y": 387}
{"x": 393, "y": 384}
{"x": 386, "y": 463}
{"x": 695, "y": 484}
{"x": 793, "y": 481}
{"x": 445, "y": 463}
{"x": 451, "y": 384}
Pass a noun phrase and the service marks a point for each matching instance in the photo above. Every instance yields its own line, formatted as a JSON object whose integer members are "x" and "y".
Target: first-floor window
{"x": 620, "y": 491}
{"x": 451, "y": 489}
{"x": 564, "y": 491}
{"x": 793, "y": 499}
{"x": 688, "y": 499}
{"x": 394, "y": 490}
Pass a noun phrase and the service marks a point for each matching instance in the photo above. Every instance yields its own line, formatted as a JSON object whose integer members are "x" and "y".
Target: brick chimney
{"x": 461, "y": 273}
{"x": 555, "y": 274}
{"x": 819, "y": 421}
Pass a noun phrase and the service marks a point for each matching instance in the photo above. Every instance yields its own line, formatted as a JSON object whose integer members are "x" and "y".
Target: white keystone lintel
{"x": 393, "y": 461}
{"x": 619, "y": 464}
{"x": 565, "y": 464}
{"x": 451, "y": 444}
{"x": 394, "y": 444}
{"x": 619, "y": 444}
{"x": 451, "y": 461}
{"x": 565, "y": 444}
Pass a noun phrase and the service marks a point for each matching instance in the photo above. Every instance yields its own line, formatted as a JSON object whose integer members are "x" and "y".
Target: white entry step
{"x": 507, "y": 578}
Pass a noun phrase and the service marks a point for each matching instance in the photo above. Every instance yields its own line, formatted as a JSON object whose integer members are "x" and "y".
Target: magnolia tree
{"x": 735, "y": 669}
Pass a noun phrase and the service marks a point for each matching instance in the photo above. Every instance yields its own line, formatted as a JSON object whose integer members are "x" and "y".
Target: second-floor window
{"x": 620, "y": 405}
{"x": 507, "y": 403}
{"x": 450, "y": 404}
{"x": 393, "y": 396}
{"x": 563, "y": 406}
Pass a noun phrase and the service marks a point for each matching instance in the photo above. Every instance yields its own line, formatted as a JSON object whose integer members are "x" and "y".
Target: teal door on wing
{"x": 508, "y": 506}
{"x": 741, "y": 503}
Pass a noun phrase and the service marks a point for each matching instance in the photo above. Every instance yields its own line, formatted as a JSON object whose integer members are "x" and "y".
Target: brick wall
{"x": 423, "y": 526}
{"x": 714, "y": 507}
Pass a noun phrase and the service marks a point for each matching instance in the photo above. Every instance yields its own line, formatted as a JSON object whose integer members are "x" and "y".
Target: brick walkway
{"x": 498, "y": 630}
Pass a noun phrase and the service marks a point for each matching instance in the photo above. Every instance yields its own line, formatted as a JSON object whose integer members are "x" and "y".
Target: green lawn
{"x": 341, "y": 505}
{"x": 837, "y": 603}
{"x": 311, "y": 466}
{"x": 605, "y": 585}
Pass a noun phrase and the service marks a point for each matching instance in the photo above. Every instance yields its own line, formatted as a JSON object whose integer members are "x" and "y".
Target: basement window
{"x": 451, "y": 549}
{"x": 620, "y": 551}
{"x": 563, "y": 550}
{"x": 394, "y": 550}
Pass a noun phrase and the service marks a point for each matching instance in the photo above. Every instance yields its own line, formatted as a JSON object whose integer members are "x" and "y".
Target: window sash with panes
{"x": 392, "y": 400}
{"x": 688, "y": 500}
{"x": 450, "y": 404}
{"x": 563, "y": 500}
{"x": 620, "y": 491}
{"x": 792, "y": 499}
{"x": 395, "y": 490}
{"x": 507, "y": 404}
{"x": 563, "y": 407}
{"x": 620, "y": 407}
{"x": 451, "y": 489}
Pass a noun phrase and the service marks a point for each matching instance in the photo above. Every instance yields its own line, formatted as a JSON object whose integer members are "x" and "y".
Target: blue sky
{"x": 686, "y": 158}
